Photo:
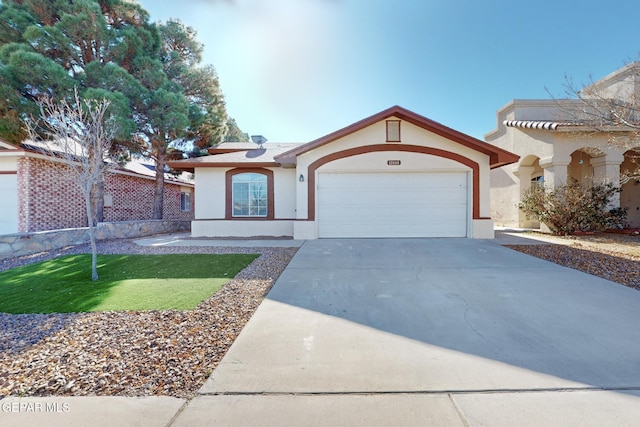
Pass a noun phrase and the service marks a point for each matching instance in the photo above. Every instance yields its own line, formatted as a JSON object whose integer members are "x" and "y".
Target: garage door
{"x": 9, "y": 208}
{"x": 392, "y": 205}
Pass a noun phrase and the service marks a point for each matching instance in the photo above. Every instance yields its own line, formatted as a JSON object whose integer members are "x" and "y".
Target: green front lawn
{"x": 127, "y": 282}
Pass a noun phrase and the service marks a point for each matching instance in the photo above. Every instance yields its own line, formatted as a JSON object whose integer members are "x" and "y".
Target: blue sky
{"x": 296, "y": 70}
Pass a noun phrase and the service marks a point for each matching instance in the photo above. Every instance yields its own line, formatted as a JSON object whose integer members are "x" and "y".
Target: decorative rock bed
{"x": 131, "y": 353}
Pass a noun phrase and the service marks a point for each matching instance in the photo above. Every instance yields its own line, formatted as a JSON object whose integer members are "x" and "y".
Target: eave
{"x": 185, "y": 165}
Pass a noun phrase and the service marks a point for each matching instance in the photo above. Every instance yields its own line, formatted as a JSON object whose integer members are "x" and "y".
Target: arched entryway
{"x": 530, "y": 173}
{"x": 581, "y": 169}
{"x": 630, "y": 194}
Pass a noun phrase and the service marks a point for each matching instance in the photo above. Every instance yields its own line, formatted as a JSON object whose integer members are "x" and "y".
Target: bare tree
{"x": 610, "y": 107}
{"x": 78, "y": 134}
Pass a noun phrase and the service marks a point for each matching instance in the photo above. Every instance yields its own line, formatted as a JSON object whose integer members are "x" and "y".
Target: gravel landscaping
{"x": 143, "y": 353}
{"x": 614, "y": 257}
{"x": 173, "y": 352}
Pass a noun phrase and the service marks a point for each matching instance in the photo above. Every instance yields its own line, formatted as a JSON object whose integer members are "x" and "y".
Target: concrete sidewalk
{"x": 406, "y": 332}
{"x": 502, "y": 408}
{"x": 89, "y": 411}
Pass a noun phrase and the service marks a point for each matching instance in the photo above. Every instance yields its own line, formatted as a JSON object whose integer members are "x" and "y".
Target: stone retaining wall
{"x": 12, "y": 245}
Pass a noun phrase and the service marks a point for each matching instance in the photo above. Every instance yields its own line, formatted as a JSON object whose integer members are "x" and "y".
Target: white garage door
{"x": 392, "y": 205}
{"x": 8, "y": 204}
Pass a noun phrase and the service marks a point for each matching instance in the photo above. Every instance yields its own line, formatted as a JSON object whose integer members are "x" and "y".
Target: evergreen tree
{"x": 162, "y": 96}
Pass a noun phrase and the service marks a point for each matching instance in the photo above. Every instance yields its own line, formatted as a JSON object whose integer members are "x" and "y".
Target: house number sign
{"x": 394, "y": 162}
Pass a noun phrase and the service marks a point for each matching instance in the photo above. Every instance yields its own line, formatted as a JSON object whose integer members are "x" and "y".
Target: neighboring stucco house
{"x": 394, "y": 174}
{"x": 554, "y": 149}
{"x": 37, "y": 195}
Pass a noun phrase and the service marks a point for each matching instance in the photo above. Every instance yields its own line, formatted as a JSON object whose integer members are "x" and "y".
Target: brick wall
{"x": 48, "y": 199}
{"x": 133, "y": 199}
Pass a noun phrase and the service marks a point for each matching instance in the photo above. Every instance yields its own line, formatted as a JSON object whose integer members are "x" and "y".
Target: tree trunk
{"x": 92, "y": 237}
{"x": 97, "y": 196}
{"x": 158, "y": 203}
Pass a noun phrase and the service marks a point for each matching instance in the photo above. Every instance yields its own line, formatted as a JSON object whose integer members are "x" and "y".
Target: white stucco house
{"x": 555, "y": 146}
{"x": 394, "y": 174}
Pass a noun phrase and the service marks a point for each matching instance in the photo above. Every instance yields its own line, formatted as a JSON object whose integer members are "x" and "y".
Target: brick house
{"x": 37, "y": 195}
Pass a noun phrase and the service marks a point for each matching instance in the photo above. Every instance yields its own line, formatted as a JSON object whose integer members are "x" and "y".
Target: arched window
{"x": 249, "y": 195}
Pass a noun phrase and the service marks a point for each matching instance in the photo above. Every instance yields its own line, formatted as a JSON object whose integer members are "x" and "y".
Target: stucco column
{"x": 606, "y": 169}
{"x": 555, "y": 171}
{"x": 524, "y": 175}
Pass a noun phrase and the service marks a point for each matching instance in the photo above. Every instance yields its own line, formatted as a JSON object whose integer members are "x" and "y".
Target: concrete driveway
{"x": 430, "y": 331}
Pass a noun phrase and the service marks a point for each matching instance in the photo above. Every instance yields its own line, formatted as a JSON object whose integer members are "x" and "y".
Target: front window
{"x": 185, "y": 202}
{"x": 249, "y": 194}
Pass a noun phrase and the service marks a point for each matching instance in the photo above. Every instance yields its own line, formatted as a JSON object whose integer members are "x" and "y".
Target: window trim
{"x": 229, "y": 194}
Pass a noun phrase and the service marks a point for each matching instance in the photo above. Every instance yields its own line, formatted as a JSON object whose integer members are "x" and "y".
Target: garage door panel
{"x": 397, "y": 198}
{"x": 388, "y": 180}
{"x": 393, "y": 205}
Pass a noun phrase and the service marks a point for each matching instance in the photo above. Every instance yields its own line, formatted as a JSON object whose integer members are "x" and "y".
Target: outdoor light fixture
{"x": 301, "y": 178}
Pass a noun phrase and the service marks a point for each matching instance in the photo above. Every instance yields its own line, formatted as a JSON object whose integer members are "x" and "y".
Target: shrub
{"x": 572, "y": 207}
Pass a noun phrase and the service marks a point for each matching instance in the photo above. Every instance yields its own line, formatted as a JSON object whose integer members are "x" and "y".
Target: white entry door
{"x": 393, "y": 204}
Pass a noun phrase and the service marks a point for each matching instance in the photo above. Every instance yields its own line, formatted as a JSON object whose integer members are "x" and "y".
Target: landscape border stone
{"x": 20, "y": 244}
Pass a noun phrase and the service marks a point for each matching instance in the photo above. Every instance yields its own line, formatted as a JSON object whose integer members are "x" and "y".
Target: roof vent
{"x": 258, "y": 139}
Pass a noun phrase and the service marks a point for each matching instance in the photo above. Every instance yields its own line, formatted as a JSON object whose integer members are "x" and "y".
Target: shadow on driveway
{"x": 406, "y": 315}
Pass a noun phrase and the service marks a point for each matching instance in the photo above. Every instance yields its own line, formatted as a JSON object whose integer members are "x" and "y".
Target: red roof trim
{"x": 190, "y": 166}
{"x": 498, "y": 157}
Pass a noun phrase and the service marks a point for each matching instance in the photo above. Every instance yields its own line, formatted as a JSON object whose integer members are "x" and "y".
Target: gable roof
{"x": 498, "y": 157}
{"x": 284, "y": 154}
